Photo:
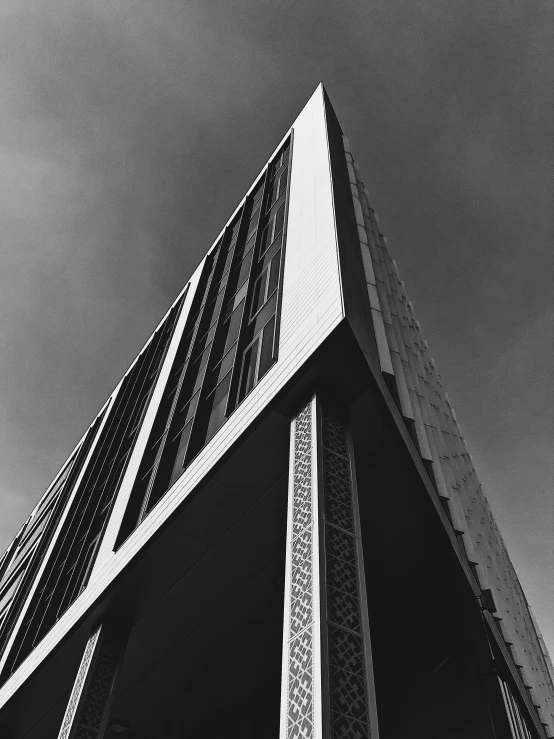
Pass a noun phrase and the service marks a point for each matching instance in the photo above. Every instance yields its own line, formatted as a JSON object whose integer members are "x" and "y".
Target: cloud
{"x": 130, "y": 130}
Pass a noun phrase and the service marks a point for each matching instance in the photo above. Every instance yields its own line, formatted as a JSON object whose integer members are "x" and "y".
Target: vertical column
{"x": 327, "y": 683}
{"x": 87, "y": 711}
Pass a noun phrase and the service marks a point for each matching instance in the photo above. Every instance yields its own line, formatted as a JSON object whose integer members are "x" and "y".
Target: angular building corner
{"x": 274, "y": 528}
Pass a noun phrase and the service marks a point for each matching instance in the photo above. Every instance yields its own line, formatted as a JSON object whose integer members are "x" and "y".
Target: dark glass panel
{"x": 184, "y": 412}
{"x": 279, "y": 219}
{"x": 180, "y": 442}
{"x": 221, "y": 369}
{"x": 253, "y": 224}
{"x": 258, "y": 293}
{"x": 198, "y": 367}
{"x": 264, "y": 314}
{"x": 212, "y": 311}
{"x": 265, "y": 239}
{"x": 258, "y": 191}
{"x": 9, "y": 592}
{"x": 219, "y": 401}
{"x": 274, "y": 274}
{"x": 248, "y": 369}
{"x": 234, "y": 301}
{"x": 267, "y": 256}
{"x": 266, "y": 353}
{"x": 249, "y": 244}
{"x": 231, "y": 329}
{"x": 241, "y": 272}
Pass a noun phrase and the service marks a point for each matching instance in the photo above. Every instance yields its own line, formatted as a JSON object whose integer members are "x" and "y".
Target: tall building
{"x": 273, "y": 527}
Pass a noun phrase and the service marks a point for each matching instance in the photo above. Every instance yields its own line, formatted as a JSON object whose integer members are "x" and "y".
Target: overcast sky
{"x": 131, "y": 129}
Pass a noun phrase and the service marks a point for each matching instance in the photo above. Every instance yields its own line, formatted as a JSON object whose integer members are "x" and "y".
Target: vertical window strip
{"x": 177, "y": 433}
{"x": 83, "y": 530}
{"x": 74, "y": 467}
{"x": 142, "y": 490}
{"x": 203, "y": 386}
{"x": 241, "y": 265}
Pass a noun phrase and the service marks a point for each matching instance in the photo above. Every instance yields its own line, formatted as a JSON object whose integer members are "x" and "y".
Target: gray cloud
{"x": 130, "y": 130}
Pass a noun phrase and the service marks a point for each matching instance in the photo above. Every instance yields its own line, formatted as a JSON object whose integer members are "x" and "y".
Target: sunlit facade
{"x": 273, "y": 528}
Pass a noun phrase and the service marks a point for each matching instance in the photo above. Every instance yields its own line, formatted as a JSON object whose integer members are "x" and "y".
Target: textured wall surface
{"x": 404, "y": 354}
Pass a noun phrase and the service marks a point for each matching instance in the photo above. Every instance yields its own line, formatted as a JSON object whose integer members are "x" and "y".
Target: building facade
{"x": 273, "y": 527}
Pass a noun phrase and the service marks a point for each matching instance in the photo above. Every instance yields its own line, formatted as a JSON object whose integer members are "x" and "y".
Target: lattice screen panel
{"x": 404, "y": 355}
{"x": 327, "y": 680}
{"x": 87, "y": 710}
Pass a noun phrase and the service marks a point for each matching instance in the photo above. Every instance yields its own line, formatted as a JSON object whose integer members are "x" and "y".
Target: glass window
{"x": 279, "y": 220}
{"x": 220, "y": 306}
{"x": 265, "y": 240}
{"x": 274, "y": 274}
{"x": 274, "y": 247}
{"x": 185, "y": 412}
{"x": 266, "y": 353}
{"x": 221, "y": 369}
{"x": 231, "y": 330}
{"x": 278, "y": 188}
{"x": 253, "y": 224}
{"x": 212, "y": 310}
{"x": 235, "y": 300}
{"x": 243, "y": 270}
{"x": 8, "y": 593}
{"x": 219, "y": 401}
{"x": 258, "y": 192}
{"x": 250, "y": 244}
{"x": 258, "y": 293}
{"x": 198, "y": 367}
{"x": 249, "y": 363}
{"x": 264, "y": 314}
{"x": 181, "y": 443}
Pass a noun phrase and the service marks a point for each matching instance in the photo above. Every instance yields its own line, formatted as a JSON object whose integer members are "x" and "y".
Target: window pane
{"x": 274, "y": 274}
{"x": 283, "y": 180}
{"x": 240, "y": 295}
{"x": 205, "y": 339}
{"x": 244, "y": 269}
{"x": 264, "y": 314}
{"x": 279, "y": 219}
{"x": 258, "y": 192}
{"x": 258, "y": 296}
{"x": 185, "y": 411}
{"x": 270, "y": 253}
{"x": 183, "y": 441}
{"x": 217, "y": 416}
{"x": 266, "y": 354}
{"x": 264, "y": 240}
{"x": 8, "y": 594}
{"x": 278, "y": 187}
{"x": 249, "y": 244}
{"x": 253, "y": 224}
{"x": 233, "y": 326}
{"x": 223, "y": 367}
{"x": 249, "y": 369}
{"x": 215, "y": 302}
{"x": 227, "y": 261}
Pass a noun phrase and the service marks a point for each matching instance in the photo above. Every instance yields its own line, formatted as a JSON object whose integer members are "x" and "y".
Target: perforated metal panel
{"x": 327, "y": 680}
{"x": 404, "y": 356}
